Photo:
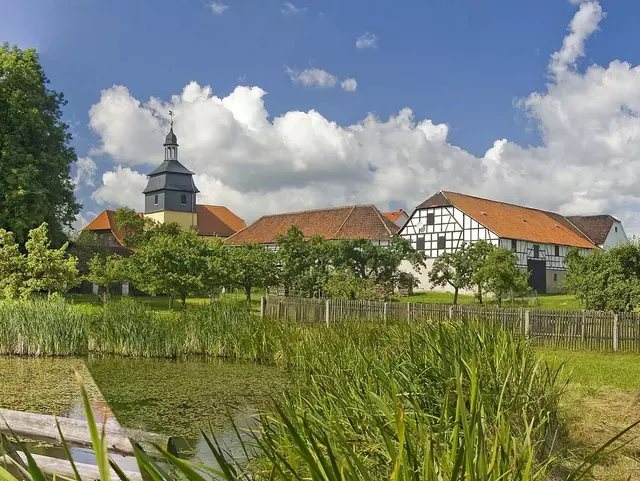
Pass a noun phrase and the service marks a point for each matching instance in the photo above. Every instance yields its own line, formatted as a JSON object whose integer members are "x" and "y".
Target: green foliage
{"x": 12, "y": 266}
{"x": 499, "y": 274}
{"x": 455, "y": 269}
{"x": 252, "y": 266}
{"x": 47, "y": 269}
{"x": 344, "y": 284}
{"x": 478, "y": 253}
{"x": 106, "y": 271}
{"x": 171, "y": 263}
{"x": 138, "y": 230}
{"x": 606, "y": 280}
{"x": 35, "y": 156}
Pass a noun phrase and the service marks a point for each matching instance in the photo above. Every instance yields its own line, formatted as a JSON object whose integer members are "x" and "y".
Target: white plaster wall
{"x": 616, "y": 237}
{"x": 423, "y": 278}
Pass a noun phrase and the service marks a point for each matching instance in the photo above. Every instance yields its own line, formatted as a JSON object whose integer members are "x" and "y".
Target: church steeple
{"x": 171, "y": 142}
{"x": 170, "y": 195}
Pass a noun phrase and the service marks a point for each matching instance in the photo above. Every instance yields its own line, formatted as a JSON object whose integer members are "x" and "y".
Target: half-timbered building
{"x": 540, "y": 239}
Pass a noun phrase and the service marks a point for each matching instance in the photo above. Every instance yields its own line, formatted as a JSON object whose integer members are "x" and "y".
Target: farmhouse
{"x": 170, "y": 196}
{"x": 605, "y": 231}
{"x": 540, "y": 239}
{"x": 348, "y": 222}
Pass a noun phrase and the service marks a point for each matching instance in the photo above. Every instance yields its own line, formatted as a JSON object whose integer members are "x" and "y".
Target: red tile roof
{"x": 349, "y": 222}
{"x": 218, "y": 220}
{"x": 393, "y": 216}
{"x": 106, "y": 221}
{"x": 513, "y": 221}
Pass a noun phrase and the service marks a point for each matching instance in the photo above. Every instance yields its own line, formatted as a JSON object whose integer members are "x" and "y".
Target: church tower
{"x": 170, "y": 195}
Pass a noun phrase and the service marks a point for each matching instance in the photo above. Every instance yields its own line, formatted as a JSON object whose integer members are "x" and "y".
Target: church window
{"x": 183, "y": 199}
{"x": 155, "y": 199}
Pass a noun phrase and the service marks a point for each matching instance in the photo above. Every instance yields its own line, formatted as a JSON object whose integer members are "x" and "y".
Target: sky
{"x": 284, "y": 106}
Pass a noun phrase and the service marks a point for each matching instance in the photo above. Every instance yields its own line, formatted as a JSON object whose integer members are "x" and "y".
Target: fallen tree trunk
{"x": 43, "y": 427}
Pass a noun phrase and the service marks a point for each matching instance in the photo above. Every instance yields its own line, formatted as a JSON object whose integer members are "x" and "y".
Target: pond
{"x": 173, "y": 398}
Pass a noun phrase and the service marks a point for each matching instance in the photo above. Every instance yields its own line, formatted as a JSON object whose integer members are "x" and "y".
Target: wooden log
{"x": 43, "y": 427}
{"x": 62, "y": 467}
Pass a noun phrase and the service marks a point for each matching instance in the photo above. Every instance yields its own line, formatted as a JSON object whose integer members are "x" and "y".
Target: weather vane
{"x": 171, "y": 118}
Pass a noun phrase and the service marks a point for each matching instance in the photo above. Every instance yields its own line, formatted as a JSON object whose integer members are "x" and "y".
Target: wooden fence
{"x": 593, "y": 330}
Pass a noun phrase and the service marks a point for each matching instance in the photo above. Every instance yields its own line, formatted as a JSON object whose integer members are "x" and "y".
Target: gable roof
{"x": 217, "y": 220}
{"x": 393, "y": 216}
{"x": 595, "y": 227}
{"x": 514, "y": 221}
{"x": 106, "y": 221}
{"x": 348, "y": 222}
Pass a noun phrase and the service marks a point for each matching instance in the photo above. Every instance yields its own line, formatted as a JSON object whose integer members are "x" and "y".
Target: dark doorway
{"x": 537, "y": 275}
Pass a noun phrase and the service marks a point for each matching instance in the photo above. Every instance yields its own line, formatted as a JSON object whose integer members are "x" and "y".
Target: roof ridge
{"x": 335, "y": 234}
{"x": 501, "y": 202}
{"x": 580, "y": 230}
{"x": 317, "y": 210}
{"x": 380, "y": 215}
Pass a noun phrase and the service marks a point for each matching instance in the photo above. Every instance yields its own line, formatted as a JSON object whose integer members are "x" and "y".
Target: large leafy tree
{"x": 478, "y": 253}
{"x": 35, "y": 156}
{"x": 252, "y": 266}
{"x": 47, "y": 269}
{"x": 12, "y": 266}
{"x": 138, "y": 230}
{"x": 105, "y": 271}
{"x": 605, "y": 280}
{"x": 500, "y": 275}
{"x": 454, "y": 269}
{"x": 172, "y": 264}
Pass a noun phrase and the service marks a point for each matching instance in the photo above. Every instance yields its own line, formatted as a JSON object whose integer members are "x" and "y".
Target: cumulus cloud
{"x": 349, "y": 85}
{"x": 588, "y": 161}
{"x": 312, "y": 77}
{"x": 218, "y": 8}
{"x": 367, "y": 40}
{"x": 291, "y": 8}
{"x": 86, "y": 170}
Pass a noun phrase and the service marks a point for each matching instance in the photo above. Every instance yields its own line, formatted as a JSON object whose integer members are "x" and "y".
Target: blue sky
{"x": 465, "y": 64}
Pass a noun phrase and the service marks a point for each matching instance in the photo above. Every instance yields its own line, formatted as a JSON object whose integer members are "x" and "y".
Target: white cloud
{"x": 588, "y": 161}
{"x": 367, "y": 40}
{"x": 291, "y": 8}
{"x": 312, "y": 77}
{"x": 218, "y": 8}
{"x": 349, "y": 85}
{"x": 86, "y": 170}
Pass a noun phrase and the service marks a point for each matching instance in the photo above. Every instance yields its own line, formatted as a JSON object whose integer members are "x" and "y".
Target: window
{"x": 183, "y": 199}
{"x": 155, "y": 200}
{"x": 441, "y": 242}
{"x": 536, "y": 251}
{"x": 514, "y": 245}
{"x": 420, "y": 243}
{"x": 555, "y": 278}
{"x": 616, "y": 228}
{"x": 557, "y": 251}
{"x": 431, "y": 219}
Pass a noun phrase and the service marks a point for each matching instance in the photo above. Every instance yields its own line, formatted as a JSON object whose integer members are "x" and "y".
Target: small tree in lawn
{"x": 12, "y": 266}
{"x": 251, "y": 266}
{"x": 105, "y": 271}
{"x": 216, "y": 274}
{"x": 500, "y": 274}
{"x": 47, "y": 269}
{"x": 454, "y": 269}
{"x": 477, "y": 254}
{"x": 171, "y": 264}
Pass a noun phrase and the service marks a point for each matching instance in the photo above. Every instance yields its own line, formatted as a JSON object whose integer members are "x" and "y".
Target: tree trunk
{"x": 455, "y": 296}
{"x": 480, "y": 294}
{"x": 499, "y": 299}
{"x": 247, "y": 291}
{"x": 171, "y": 302}
{"x": 183, "y": 300}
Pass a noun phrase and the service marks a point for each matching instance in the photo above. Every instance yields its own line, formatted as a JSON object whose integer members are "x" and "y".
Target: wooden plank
{"x": 62, "y": 467}
{"x": 42, "y": 427}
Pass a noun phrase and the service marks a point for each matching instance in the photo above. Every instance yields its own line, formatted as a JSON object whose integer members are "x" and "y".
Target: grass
{"x": 547, "y": 301}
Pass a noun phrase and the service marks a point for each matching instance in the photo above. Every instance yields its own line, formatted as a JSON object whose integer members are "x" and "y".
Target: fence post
{"x": 615, "y": 332}
{"x": 526, "y": 324}
{"x": 326, "y": 312}
{"x": 584, "y": 318}
{"x": 263, "y": 306}
{"x": 451, "y": 313}
{"x": 384, "y": 312}
{"x": 408, "y": 312}
{"x": 280, "y": 306}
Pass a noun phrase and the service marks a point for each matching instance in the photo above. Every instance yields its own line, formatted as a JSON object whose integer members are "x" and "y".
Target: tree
{"x": 500, "y": 274}
{"x": 216, "y": 273}
{"x": 12, "y": 266}
{"x": 138, "y": 229}
{"x": 454, "y": 269}
{"x": 171, "y": 264}
{"x": 251, "y": 266}
{"x": 478, "y": 253}
{"x": 35, "y": 156}
{"x": 344, "y": 284}
{"x": 47, "y": 269}
{"x": 105, "y": 271}
{"x": 605, "y": 280}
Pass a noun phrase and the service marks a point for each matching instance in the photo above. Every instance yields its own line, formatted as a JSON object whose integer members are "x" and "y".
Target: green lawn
{"x": 549, "y": 301}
